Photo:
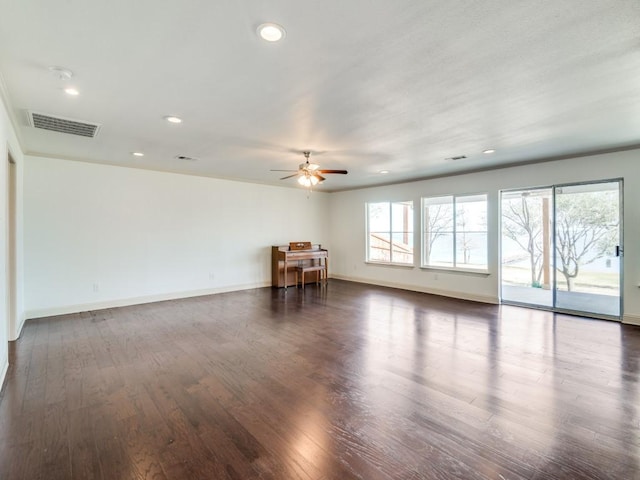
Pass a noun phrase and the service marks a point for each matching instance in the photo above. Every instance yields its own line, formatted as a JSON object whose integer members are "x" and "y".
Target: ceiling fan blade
{"x": 343, "y": 172}
{"x": 289, "y": 176}
{"x": 290, "y": 170}
{"x": 320, "y": 178}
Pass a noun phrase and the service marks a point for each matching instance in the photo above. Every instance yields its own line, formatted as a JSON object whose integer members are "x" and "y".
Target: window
{"x": 390, "y": 232}
{"x": 454, "y": 232}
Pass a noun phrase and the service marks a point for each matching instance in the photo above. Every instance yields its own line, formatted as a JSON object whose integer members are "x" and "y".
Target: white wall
{"x": 99, "y": 236}
{"x": 348, "y": 224}
{"x": 9, "y": 327}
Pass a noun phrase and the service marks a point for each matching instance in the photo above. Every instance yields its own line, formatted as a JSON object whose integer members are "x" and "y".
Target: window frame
{"x": 482, "y": 270}
{"x": 411, "y": 232}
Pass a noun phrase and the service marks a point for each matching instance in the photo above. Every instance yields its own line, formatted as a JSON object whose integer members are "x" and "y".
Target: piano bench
{"x": 321, "y": 269}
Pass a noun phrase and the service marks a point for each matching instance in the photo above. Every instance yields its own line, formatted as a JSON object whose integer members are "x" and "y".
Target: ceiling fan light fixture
{"x": 308, "y": 180}
{"x": 271, "y": 32}
{"x": 310, "y": 174}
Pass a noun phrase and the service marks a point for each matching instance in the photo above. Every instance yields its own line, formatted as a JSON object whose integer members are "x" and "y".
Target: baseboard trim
{"x": 126, "y": 302}
{"x": 422, "y": 289}
{"x": 630, "y": 319}
{"x": 19, "y": 332}
{"x": 3, "y": 374}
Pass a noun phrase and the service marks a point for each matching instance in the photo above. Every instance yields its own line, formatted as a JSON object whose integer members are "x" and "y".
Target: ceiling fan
{"x": 309, "y": 174}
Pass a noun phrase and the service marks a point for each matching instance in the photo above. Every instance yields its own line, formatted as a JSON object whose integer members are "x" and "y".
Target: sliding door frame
{"x": 554, "y": 308}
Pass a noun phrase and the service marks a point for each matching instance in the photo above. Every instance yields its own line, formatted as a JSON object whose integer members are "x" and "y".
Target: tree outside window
{"x": 586, "y": 229}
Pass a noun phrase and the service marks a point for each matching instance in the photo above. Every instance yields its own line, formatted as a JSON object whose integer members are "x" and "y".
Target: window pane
{"x": 379, "y": 217}
{"x": 471, "y": 250}
{"x": 402, "y": 250}
{"x": 402, "y": 215}
{"x": 471, "y": 213}
{"x": 438, "y": 235}
{"x": 379, "y": 250}
{"x": 402, "y": 233}
{"x": 442, "y": 251}
{"x": 471, "y": 231}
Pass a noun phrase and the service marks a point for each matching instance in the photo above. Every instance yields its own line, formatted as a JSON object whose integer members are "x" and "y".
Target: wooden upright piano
{"x": 285, "y": 259}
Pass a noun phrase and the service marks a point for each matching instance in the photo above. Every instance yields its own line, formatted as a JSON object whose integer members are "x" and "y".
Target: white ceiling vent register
{"x": 62, "y": 124}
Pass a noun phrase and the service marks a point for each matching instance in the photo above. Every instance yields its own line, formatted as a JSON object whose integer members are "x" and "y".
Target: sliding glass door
{"x": 561, "y": 248}
{"x": 527, "y": 260}
{"x": 587, "y": 238}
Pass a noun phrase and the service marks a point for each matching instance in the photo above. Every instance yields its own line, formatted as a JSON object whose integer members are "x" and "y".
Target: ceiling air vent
{"x": 459, "y": 157}
{"x": 185, "y": 158}
{"x": 63, "y": 125}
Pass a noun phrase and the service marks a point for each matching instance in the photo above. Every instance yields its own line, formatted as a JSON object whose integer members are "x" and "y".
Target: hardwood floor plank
{"x": 83, "y": 445}
{"x": 51, "y": 442}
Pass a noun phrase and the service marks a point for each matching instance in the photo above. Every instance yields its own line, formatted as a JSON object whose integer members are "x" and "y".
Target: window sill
{"x": 461, "y": 271}
{"x": 387, "y": 264}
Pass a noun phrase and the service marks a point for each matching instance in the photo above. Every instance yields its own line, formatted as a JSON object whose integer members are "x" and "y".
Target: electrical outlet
{"x": 212, "y": 276}
{"x": 96, "y": 287}
{"x": 435, "y": 276}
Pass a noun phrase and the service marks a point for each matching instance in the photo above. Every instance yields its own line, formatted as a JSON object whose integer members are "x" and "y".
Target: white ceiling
{"x": 374, "y": 84}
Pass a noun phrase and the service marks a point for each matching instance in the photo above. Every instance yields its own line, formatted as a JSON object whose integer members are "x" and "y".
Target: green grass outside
{"x": 592, "y": 282}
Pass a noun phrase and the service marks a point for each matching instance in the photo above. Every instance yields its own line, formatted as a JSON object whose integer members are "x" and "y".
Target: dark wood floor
{"x": 347, "y": 382}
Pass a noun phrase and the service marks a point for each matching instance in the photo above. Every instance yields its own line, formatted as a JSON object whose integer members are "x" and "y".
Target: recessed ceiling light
{"x": 271, "y": 32}
{"x": 137, "y": 154}
{"x": 172, "y": 119}
{"x": 71, "y": 91}
{"x": 489, "y": 150}
{"x": 383, "y": 172}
